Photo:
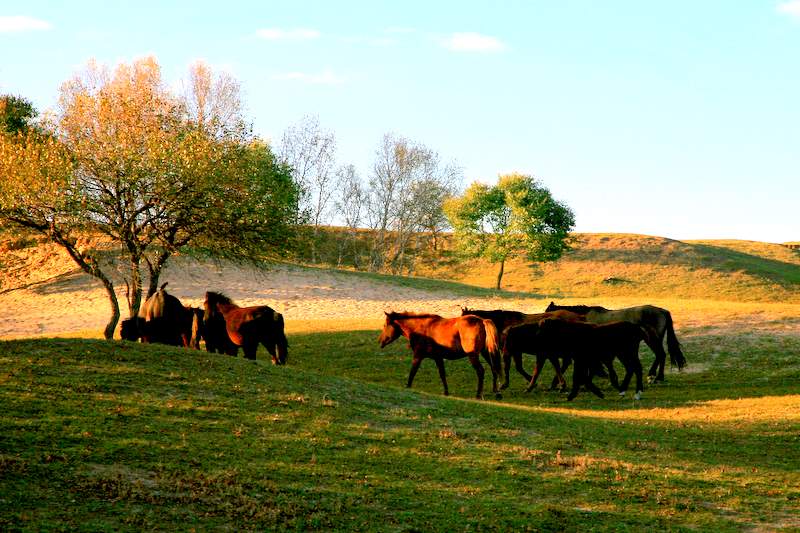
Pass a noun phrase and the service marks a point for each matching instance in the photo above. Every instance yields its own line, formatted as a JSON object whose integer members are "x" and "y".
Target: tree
{"x": 518, "y": 216}
{"x": 128, "y": 159}
{"x": 16, "y": 113}
{"x": 310, "y": 152}
{"x": 406, "y": 188}
{"x": 349, "y": 204}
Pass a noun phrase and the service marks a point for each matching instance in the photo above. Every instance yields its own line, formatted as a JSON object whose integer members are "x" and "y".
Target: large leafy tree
{"x": 516, "y": 217}
{"x": 156, "y": 172}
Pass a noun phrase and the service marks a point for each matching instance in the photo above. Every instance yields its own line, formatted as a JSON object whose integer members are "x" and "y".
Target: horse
{"x": 503, "y": 320}
{"x": 446, "y": 338}
{"x": 588, "y": 344}
{"x": 244, "y": 326}
{"x": 163, "y": 319}
{"x": 658, "y": 321}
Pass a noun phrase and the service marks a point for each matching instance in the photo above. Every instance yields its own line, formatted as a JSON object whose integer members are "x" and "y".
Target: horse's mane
{"x": 218, "y": 297}
{"x": 514, "y": 315}
{"x": 393, "y": 315}
{"x": 580, "y": 309}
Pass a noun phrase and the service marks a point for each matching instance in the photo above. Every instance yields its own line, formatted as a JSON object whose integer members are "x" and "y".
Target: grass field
{"x": 116, "y": 436}
{"x": 120, "y": 436}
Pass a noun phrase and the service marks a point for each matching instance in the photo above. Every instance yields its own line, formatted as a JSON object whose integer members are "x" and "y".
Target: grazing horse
{"x": 244, "y": 326}
{"x": 657, "y": 320}
{"x": 163, "y": 319}
{"x": 503, "y": 320}
{"x": 589, "y": 344}
{"x": 446, "y": 338}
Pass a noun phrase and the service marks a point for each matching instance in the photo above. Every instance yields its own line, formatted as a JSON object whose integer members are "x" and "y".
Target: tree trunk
{"x": 500, "y": 273}
{"x": 89, "y": 265}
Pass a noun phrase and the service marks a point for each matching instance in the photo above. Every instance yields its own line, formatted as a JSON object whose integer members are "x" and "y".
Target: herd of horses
{"x": 223, "y": 325}
{"x": 588, "y": 337}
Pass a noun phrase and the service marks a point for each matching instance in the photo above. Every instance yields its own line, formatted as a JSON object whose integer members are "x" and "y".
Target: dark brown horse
{"x": 658, "y": 321}
{"x": 163, "y": 319}
{"x": 503, "y": 320}
{"x": 589, "y": 344}
{"x": 244, "y": 326}
{"x": 446, "y": 338}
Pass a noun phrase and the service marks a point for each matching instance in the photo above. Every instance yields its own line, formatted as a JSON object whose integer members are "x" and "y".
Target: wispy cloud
{"x": 473, "y": 42}
{"x": 792, "y": 7}
{"x": 326, "y": 77}
{"x": 23, "y": 23}
{"x": 294, "y": 34}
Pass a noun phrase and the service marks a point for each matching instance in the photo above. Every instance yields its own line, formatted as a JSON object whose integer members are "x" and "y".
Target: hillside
{"x": 42, "y": 292}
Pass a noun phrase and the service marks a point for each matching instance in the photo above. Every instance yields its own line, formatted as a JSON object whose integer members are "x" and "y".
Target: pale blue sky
{"x": 679, "y": 119}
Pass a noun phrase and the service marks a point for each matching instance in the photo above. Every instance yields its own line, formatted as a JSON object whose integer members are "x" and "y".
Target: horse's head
{"x": 129, "y": 329}
{"x": 390, "y": 330}
{"x": 465, "y": 310}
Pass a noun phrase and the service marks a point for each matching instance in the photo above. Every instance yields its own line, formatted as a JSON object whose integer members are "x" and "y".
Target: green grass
{"x": 98, "y": 436}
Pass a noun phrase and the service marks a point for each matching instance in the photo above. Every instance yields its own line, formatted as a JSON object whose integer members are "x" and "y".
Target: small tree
{"x": 516, "y": 217}
{"x": 310, "y": 153}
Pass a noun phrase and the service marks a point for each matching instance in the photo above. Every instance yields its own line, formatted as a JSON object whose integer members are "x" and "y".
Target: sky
{"x": 678, "y": 119}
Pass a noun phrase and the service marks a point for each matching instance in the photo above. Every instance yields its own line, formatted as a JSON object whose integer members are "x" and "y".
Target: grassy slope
{"x": 101, "y": 436}
{"x": 609, "y": 265}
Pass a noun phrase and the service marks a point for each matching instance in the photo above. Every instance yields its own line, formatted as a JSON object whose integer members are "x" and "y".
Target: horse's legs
{"x": 612, "y": 374}
{"x": 506, "y": 367}
{"x": 415, "y": 362}
{"x": 476, "y": 364}
{"x": 270, "y": 346}
{"x": 657, "y": 345}
{"x": 440, "y": 366}
{"x": 250, "y": 351}
{"x": 564, "y": 367}
{"x": 536, "y": 370}
{"x": 519, "y": 367}
{"x": 577, "y": 379}
{"x": 582, "y": 374}
{"x": 488, "y": 357}
{"x": 562, "y": 383}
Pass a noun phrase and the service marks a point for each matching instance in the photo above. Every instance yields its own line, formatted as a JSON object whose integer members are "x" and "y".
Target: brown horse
{"x": 246, "y": 327}
{"x": 592, "y": 343}
{"x": 446, "y": 338}
{"x": 657, "y": 320}
{"x": 503, "y": 320}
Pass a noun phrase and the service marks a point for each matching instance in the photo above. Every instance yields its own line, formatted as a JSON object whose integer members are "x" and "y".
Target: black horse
{"x": 588, "y": 344}
{"x": 163, "y": 319}
{"x": 658, "y": 324}
{"x": 503, "y": 320}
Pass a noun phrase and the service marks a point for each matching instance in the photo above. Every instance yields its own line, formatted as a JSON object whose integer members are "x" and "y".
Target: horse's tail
{"x": 676, "y": 356}
{"x": 492, "y": 343}
{"x": 281, "y": 343}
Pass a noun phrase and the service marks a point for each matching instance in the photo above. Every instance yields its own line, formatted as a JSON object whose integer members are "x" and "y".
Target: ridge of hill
{"x": 601, "y": 265}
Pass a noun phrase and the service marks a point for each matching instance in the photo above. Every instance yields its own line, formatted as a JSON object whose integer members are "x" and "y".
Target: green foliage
{"x": 16, "y": 113}
{"x": 518, "y": 216}
{"x": 129, "y": 159}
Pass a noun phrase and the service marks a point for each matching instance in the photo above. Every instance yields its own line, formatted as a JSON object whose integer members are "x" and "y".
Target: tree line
{"x": 162, "y": 171}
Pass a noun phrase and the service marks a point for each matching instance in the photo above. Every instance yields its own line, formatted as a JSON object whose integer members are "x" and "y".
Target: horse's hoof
{"x": 638, "y": 396}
